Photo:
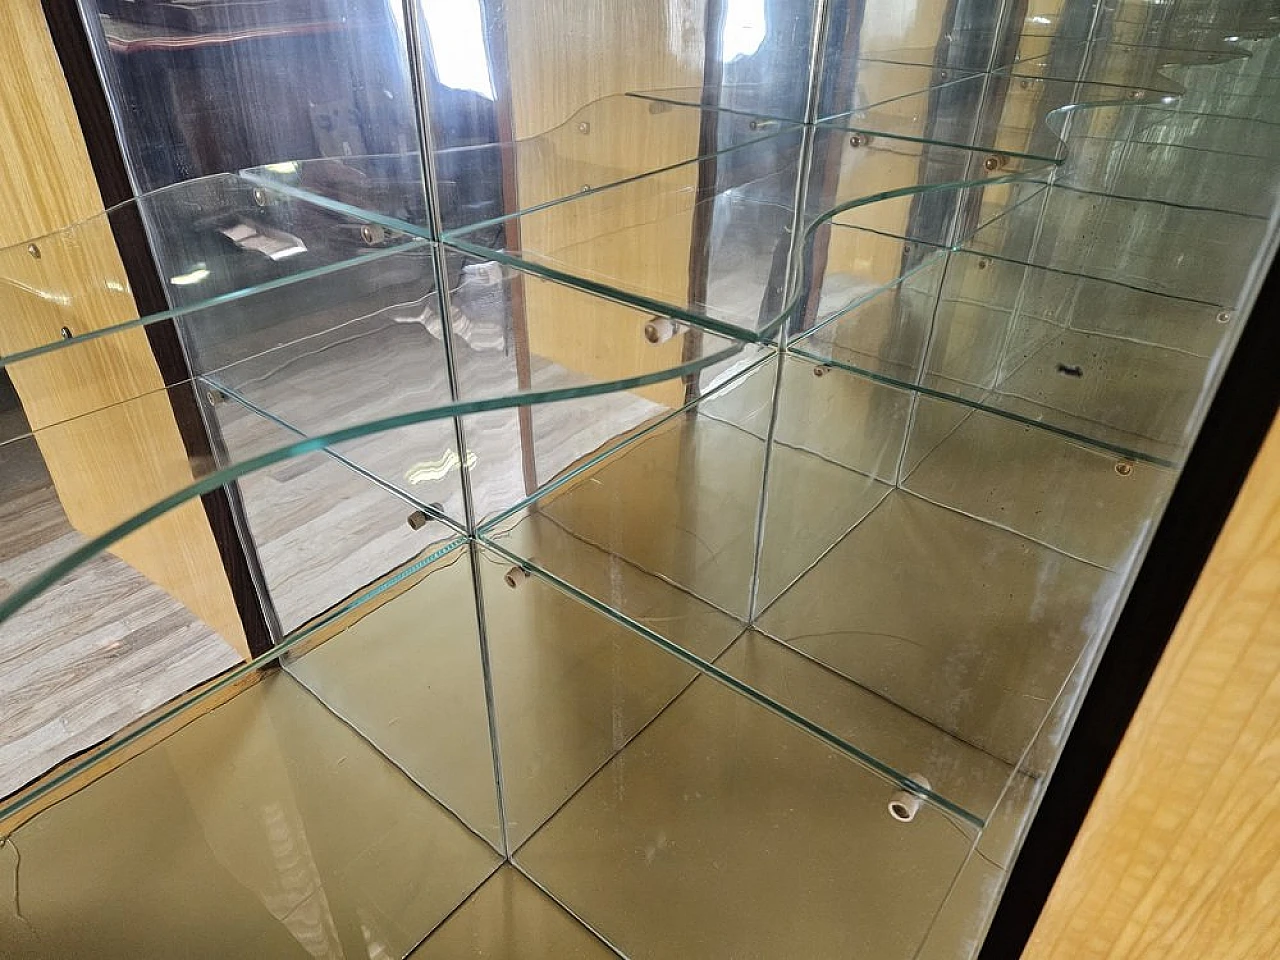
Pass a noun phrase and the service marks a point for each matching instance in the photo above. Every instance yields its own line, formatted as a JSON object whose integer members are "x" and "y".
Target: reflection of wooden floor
{"x": 91, "y": 655}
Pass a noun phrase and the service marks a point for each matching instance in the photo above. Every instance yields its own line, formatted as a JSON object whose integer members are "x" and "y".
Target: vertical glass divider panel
{"x": 413, "y": 27}
{"x": 795, "y": 274}
{"x": 702, "y": 220}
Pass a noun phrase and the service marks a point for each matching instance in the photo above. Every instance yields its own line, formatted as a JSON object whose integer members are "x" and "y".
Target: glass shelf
{"x": 606, "y": 241}
{"x": 608, "y": 142}
{"x": 718, "y": 628}
{"x": 940, "y": 105}
{"x": 601, "y": 266}
{"x": 384, "y": 185}
{"x": 971, "y": 49}
{"x": 1028, "y": 124}
{"x": 1203, "y": 17}
{"x": 1145, "y": 69}
{"x": 900, "y": 295}
{"x": 1225, "y": 137}
{"x": 216, "y": 240}
{"x": 752, "y": 101}
{"x": 1103, "y": 364}
{"x": 747, "y": 224}
{"x": 1217, "y": 80}
{"x": 669, "y": 553}
{"x": 249, "y": 465}
{"x": 1091, "y": 237}
{"x": 876, "y": 83}
{"x": 348, "y": 371}
{"x": 707, "y": 643}
{"x": 1193, "y": 179}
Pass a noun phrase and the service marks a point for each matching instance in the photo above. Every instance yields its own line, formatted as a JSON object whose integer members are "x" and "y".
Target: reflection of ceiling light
{"x": 1167, "y": 99}
{"x": 429, "y": 471}
{"x": 455, "y": 32}
{"x": 1232, "y": 39}
{"x": 744, "y": 29}
{"x": 200, "y": 272}
{"x": 289, "y": 166}
{"x": 1041, "y": 20}
{"x": 59, "y": 298}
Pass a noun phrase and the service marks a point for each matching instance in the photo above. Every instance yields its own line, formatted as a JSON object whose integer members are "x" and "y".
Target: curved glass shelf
{"x": 235, "y": 375}
{"x": 1041, "y": 39}
{"x": 603, "y": 144}
{"x": 747, "y": 667}
{"x": 1214, "y": 136}
{"x": 216, "y": 234}
{"x": 1030, "y": 125}
{"x": 871, "y": 175}
{"x": 584, "y": 238}
{"x": 1142, "y": 69}
{"x": 674, "y": 561}
{"x": 754, "y": 667}
{"x": 964, "y": 49}
{"x": 363, "y": 344}
{"x": 1217, "y": 237}
{"x": 602, "y": 241}
{"x": 1012, "y": 114}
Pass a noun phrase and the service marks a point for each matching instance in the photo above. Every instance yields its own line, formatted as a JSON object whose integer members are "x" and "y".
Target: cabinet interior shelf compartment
{"x": 803, "y": 445}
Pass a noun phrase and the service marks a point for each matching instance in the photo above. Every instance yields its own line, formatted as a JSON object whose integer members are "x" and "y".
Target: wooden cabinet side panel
{"x": 1179, "y": 858}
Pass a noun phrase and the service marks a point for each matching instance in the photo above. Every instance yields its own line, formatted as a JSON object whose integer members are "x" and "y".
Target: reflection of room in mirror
{"x": 94, "y": 653}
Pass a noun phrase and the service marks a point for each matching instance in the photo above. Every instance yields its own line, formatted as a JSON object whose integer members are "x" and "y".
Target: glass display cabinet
{"x": 680, "y": 463}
